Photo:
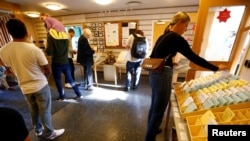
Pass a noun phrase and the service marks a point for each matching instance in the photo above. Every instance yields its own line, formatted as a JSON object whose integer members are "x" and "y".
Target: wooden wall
{"x": 145, "y": 18}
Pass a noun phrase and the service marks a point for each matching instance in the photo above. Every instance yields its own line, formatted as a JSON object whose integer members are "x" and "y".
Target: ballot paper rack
{"x": 198, "y": 125}
{"x": 214, "y": 92}
{"x": 219, "y": 98}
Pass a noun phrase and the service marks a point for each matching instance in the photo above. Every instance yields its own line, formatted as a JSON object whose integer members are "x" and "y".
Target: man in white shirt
{"x": 71, "y": 53}
{"x": 31, "y": 68}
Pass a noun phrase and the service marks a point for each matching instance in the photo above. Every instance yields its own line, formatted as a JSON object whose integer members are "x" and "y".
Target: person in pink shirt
{"x": 51, "y": 23}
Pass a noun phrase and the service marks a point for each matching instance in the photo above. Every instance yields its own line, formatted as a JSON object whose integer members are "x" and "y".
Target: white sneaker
{"x": 67, "y": 85}
{"x": 56, "y": 133}
{"x": 39, "y": 133}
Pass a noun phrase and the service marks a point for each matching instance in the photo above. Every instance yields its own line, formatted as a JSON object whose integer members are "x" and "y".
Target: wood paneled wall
{"x": 144, "y": 17}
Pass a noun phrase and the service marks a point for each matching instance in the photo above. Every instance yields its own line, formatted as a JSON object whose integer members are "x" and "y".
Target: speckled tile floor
{"x": 105, "y": 114}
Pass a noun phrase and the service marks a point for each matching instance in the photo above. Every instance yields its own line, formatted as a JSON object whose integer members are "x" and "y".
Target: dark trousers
{"x": 133, "y": 69}
{"x": 161, "y": 85}
{"x": 72, "y": 69}
{"x": 57, "y": 70}
{"x": 88, "y": 76}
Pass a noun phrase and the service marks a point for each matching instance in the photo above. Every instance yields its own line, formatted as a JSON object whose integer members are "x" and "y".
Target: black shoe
{"x": 135, "y": 87}
{"x": 78, "y": 97}
{"x": 60, "y": 99}
{"x": 126, "y": 89}
{"x": 89, "y": 88}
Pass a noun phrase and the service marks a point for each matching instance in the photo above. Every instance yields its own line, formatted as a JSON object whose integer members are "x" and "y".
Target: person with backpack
{"x": 137, "y": 46}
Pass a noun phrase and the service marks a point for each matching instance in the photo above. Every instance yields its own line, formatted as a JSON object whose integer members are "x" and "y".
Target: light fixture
{"x": 32, "y": 14}
{"x": 53, "y": 6}
{"x": 103, "y": 2}
{"x": 133, "y": 3}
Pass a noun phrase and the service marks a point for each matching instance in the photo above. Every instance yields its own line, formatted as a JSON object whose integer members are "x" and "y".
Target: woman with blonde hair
{"x": 167, "y": 45}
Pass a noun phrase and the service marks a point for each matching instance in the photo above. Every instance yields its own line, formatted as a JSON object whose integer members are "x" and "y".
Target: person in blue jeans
{"x": 30, "y": 66}
{"x": 86, "y": 59}
{"x": 166, "y": 46}
{"x": 57, "y": 48}
{"x": 71, "y": 53}
{"x": 133, "y": 65}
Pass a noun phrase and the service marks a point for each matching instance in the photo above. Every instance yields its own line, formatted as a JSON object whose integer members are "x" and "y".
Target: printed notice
{"x": 111, "y": 34}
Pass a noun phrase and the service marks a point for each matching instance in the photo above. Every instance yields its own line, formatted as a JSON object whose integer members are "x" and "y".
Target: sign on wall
{"x": 112, "y": 34}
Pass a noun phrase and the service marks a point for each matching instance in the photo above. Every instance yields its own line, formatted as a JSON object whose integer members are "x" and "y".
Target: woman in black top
{"x": 168, "y": 45}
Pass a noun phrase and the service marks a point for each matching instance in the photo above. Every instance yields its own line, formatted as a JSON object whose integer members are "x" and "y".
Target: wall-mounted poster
{"x": 124, "y": 41}
{"x": 94, "y": 40}
{"x": 100, "y": 25}
{"x": 125, "y": 32}
{"x": 100, "y": 33}
{"x": 93, "y": 26}
{"x": 100, "y": 42}
{"x": 91, "y": 42}
{"x": 101, "y": 48}
{"x": 112, "y": 34}
{"x": 96, "y": 34}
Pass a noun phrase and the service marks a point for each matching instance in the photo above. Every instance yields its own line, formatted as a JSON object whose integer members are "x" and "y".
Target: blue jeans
{"x": 40, "y": 108}
{"x": 87, "y": 76}
{"x": 161, "y": 85}
{"x": 133, "y": 68}
{"x": 57, "y": 69}
{"x": 72, "y": 69}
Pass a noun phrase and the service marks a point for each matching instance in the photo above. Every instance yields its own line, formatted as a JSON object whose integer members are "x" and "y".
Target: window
{"x": 78, "y": 33}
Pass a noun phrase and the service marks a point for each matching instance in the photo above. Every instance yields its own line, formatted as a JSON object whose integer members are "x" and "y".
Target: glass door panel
{"x": 221, "y": 28}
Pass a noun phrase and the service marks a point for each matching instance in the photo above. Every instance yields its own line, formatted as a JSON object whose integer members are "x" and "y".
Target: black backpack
{"x": 139, "y": 47}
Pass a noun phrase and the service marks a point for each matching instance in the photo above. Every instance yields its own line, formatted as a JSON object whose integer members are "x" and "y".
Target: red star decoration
{"x": 193, "y": 28}
{"x": 224, "y": 15}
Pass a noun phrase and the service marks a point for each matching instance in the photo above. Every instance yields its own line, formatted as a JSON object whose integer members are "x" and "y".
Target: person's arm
{"x": 149, "y": 50}
{"x": 49, "y": 49}
{"x": 46, "y": 70}
{"x": 48, "y": 23}
{"x": 71, "y": 47}
{"x": 87, "y": 48}
{"x": 43, "y": 62}
{"x": 129, "y": 42}
{"x": 8, "y": 69}
{"x": 189, "y": 54}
